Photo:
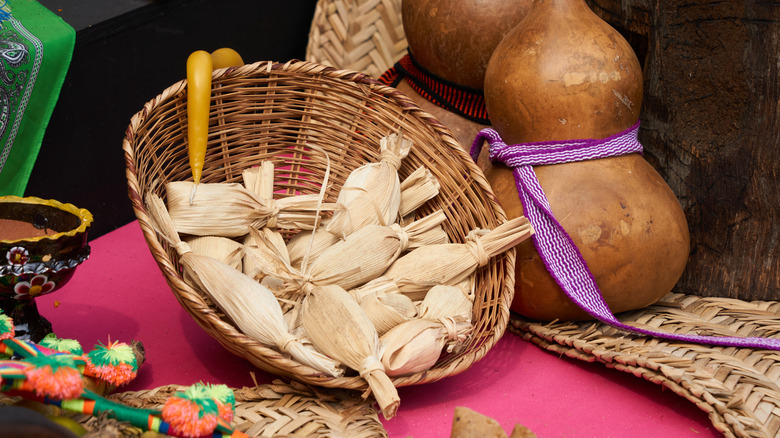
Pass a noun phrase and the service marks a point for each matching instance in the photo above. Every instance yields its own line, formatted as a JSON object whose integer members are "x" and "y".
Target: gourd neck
{"x": 561, "y": 7}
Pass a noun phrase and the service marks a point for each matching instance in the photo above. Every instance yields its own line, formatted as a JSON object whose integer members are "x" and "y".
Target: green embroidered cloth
{"x": 35, "y": 51}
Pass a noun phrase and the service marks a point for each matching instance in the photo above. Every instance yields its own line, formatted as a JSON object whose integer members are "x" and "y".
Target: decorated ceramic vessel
{"x": 41, "y": 244}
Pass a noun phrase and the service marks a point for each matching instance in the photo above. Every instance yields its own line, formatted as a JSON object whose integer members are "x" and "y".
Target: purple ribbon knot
{"x": 554, "y": 245}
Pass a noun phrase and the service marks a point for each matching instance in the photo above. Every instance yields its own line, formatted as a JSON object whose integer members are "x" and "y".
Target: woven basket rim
{"x": 229, "y": 336}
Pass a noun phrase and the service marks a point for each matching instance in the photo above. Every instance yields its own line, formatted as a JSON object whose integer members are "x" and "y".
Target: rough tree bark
{"x": 711, "y": 127}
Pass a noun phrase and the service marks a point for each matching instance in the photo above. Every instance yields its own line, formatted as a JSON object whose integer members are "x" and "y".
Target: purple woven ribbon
{"x": 554, "y": 245}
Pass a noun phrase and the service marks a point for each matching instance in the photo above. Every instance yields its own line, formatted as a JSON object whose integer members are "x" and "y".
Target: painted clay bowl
{"x": 41, "y": 244}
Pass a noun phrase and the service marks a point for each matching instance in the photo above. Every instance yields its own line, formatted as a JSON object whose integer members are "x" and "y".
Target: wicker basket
{"x": 270, "y": 111}
{"x": 363, "y": 35}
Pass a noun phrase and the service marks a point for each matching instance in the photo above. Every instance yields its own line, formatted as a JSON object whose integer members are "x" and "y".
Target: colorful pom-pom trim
{"x": 7, "y": 330}
{"x": 54, "y": 376}
{"x": 191, "y": 413}
{"x": 71, "y": 346}
{"x": 115, "y": 363}
{"x": 224, "y": 397}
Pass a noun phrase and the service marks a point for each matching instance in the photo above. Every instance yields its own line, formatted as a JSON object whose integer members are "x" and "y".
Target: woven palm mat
{"x": 739, "y": 388}
{"x": 274, "y": 410}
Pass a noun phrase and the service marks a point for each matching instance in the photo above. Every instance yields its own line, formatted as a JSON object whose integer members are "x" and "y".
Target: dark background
{"x": 127, "y": 52}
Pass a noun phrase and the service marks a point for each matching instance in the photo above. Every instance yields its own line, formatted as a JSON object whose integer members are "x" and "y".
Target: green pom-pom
{"x": 196, "y": 392}
{"x": 71, "y": 346}
{"x": 6, "y": 326}
{"x": 221, "y": 392}
{"x": 113, "y": 354}
{"x": 55, "y": 361}
{"x": 200, "y": 395}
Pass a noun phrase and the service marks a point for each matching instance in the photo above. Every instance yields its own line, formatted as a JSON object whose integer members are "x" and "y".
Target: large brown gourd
{"x": 563, "y": 74}
{"x": 453, "y": 40}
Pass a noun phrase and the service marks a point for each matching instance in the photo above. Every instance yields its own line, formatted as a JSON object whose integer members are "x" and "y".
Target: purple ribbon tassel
{"x": 554, "y": 245}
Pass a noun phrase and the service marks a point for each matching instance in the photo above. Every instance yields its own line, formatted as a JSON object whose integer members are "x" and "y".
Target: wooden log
{"x": 711, "y": 127}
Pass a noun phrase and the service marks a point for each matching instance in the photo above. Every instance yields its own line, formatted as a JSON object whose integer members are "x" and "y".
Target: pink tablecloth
{"x": 119, "y": 293}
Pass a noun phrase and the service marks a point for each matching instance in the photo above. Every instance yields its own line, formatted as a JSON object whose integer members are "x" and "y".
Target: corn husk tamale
{"x": 265, "y": 253}
{"x": 371, "y": 194}
{"x": 251, "y": 306}
{"x": 310, "y": 244}
{"x": 266, "y": 260}
{"x": 415, "y": 345}
{"x": 417, "y": 189}
{"x": 446, "y": 301}
{"x": 224, "y": 249}
{"x": 338, "y": 327}
{"x": 370, "y": 250}
{"x": 451, "y": 263}
{"x": 220, "y": 209}
{"x": 379, "y": 285}
{"x": 260, "y": 181}
{"x": 387, "y": 310}
{"x": 228, "y": 209}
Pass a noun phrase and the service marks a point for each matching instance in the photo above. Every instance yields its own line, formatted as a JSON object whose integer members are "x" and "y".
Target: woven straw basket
{"x": 271, "y": 111}
{"x": 363, "y": 35}
{"x": 275, "y": 410}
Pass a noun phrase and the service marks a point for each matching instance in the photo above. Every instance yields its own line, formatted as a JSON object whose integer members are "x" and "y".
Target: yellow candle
{"x": 226, "y": 57}
{"x": 199, "y": 68}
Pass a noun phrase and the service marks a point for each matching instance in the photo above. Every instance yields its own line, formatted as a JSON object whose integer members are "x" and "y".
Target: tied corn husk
{"x": 415, "y": 345}
{"x": 387, "y": 310}
{"x": 310, "y": 244}
{"x": 266, "y": 260}
{"x": 371, "y": 195}
{"x": 451, "y": 263}
{"x": 252, "y": 306}
{"x": 379, "y": 285}
{"x": 338, "y": 327}
{"x": 260, "y": 181}
{"x": 370, "y": 250}
{"x": 226, "y": 250}
{"x": 228, "y": 209}
{"x": 220, "y": 209}
{"x": 447, "y": 301}
{"x": 264, "y": 252}
{"x": 417, "y": 189}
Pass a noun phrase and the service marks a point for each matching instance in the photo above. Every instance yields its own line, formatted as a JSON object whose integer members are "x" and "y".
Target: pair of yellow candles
{"x": 200, "y": 64}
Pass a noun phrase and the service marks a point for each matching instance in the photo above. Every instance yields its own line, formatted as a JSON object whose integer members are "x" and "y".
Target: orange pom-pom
{"x": 189, "y": 418}
{"x": 118, "y": 375}
{"x": 53, "y": 378}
